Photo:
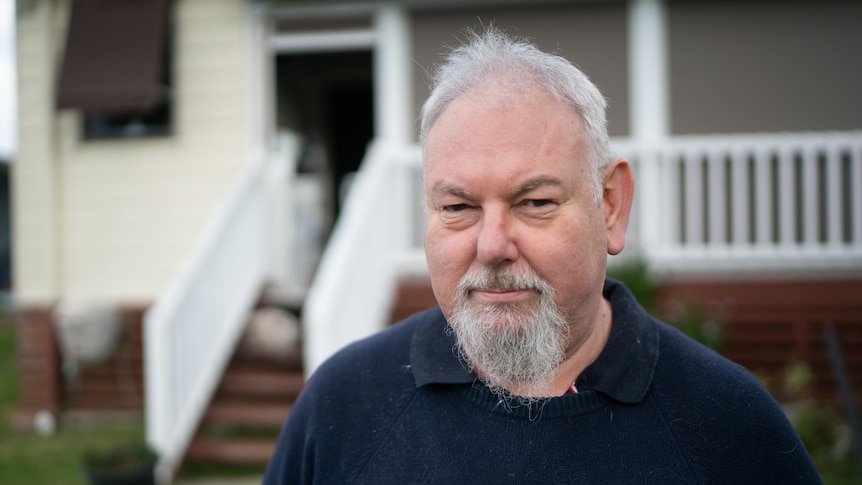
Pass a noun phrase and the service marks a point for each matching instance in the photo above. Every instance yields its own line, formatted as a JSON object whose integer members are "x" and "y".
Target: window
{"x": 117, "y": 68}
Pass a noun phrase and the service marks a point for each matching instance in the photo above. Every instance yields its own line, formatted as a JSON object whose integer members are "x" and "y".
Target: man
{"x": 533, "y": 369}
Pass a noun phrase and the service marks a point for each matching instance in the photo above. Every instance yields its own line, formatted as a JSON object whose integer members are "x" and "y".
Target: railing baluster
{"x": 834, "y": 196}
{"x": 762, "y": 197}
{"x": 671, "y": 163}
{"x": 693, "y": 198}
{"x": 856, "y": 189}
{"x": 810, "y": 199}
{"x": 786, "y": 197}
{"x": 717, "y": 214}
{"x": 739, "y": 194}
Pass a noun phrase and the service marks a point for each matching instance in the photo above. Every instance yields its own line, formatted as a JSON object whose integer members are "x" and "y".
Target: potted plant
{"x": 130, "y": 464}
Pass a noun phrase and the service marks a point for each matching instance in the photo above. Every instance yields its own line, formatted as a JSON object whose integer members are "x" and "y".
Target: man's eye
{"x": 537, "y": 202}
{"x": 455, "y": 208}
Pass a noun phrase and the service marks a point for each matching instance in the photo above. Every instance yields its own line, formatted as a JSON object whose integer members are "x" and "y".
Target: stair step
{"x": 262, "y": 384}
{"x": 235, "y": 451}
{"x": 287, "y": 363}
{"x": 413, "y": 295}
{"x": 247, "y": 414}
{"x": 103, "y": 401}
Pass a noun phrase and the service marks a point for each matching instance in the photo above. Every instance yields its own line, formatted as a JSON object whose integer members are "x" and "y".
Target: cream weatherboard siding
{"x": 35, "y": 177}
{"x": 114, "y": 219}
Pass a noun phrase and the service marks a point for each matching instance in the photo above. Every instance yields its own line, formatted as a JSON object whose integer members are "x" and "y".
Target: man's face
{"x": 508, "y": 188}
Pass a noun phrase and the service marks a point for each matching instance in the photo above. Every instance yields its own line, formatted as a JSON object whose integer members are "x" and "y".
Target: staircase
{"x": 263, "y": 378}
{"x": 241, "y": 426}
{"x": 239, "y": 429}
{"x": 243, "y": 420}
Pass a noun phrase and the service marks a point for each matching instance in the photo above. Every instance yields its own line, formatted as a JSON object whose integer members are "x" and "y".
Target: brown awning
{"x": 114, "y": 54}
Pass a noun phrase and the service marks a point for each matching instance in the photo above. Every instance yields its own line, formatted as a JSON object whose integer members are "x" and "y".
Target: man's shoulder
{"x": 696, "y": 384}
{"x": 720, "y": 412}
{"x": 695, "y": 366}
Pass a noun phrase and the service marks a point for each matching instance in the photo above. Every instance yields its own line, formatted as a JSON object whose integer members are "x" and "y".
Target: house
{"x": 182, "y": 161}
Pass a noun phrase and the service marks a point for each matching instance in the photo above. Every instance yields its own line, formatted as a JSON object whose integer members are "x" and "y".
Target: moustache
{"x": 507, "y": 279}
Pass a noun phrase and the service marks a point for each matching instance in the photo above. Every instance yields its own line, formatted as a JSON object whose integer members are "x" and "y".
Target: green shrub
{"x": 635, "y": 273}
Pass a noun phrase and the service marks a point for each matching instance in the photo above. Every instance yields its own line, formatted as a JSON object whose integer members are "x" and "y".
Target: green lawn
{"x": 26, "y": 458}
{"x": 33, "y": 460}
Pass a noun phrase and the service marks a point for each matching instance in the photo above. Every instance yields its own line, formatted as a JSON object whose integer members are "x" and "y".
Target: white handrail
{"x": 192, "y": 329}
{"x": 353, "y": 287}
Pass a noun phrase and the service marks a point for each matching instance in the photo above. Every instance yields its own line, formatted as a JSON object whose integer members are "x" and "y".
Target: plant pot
{"x": 140, "y": 474}
{"x": 131, "y": 464}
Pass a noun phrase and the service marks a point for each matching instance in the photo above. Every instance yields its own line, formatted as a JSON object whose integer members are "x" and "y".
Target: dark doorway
{"x": 328, "y": 99}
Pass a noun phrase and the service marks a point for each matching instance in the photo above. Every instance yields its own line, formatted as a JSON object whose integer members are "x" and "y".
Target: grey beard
{"x": 511, "y": 345}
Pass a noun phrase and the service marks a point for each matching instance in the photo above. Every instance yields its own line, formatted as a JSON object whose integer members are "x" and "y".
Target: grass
{"x": 26, "y": 458}
{"x": 31, "y": 459}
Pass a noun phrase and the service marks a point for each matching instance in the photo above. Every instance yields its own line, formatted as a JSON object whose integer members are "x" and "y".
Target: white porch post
{"x": 650, "y": 112}
{"x": 392, "y": 76}
{"x": 394, "y": 105}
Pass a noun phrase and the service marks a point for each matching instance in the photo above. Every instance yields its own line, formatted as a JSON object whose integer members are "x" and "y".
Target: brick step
{"x": 251, "y": 404}
{"x": 413, "y": 295}
{"x": 246, "y": 361}
{"x": 104, "y": 401}
{"x": 239, "y": 451}
{"x": 103, "y": 383}
{"x": 247, "y": 414}
{"x": 251, "y": 384}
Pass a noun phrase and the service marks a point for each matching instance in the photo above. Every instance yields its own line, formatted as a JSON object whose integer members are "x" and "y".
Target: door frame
{"x": 387, "y": 37}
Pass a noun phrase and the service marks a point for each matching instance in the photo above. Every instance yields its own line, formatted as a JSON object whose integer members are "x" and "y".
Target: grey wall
{"x": 734, "y": 66}
{"x": 765, "y": 66}
{"x": 592, "y": 36}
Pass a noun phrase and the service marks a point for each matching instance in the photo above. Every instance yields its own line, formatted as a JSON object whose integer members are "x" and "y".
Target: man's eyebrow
{"x": 533, "y": 184}
{"x": 443, "y": 188}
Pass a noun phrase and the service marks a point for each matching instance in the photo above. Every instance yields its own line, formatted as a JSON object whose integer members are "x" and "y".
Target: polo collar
{"x": 434, "y": 354}
{"x": 623, "y": 371}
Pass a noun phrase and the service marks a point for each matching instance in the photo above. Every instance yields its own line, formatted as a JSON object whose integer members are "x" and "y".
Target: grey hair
{"x": 493, "y": 55}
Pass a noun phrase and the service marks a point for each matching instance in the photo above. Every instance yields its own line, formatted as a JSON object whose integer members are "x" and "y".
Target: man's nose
{"x": 496, "y": 244}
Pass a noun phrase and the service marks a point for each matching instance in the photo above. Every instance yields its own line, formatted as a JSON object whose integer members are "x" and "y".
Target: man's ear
{"x": 619, "y": 188}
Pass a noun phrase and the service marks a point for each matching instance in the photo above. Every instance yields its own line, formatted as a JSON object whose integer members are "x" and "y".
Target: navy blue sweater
{"x": 655, "y": 407}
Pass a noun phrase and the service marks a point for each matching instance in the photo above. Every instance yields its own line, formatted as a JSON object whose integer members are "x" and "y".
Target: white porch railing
{"x": 749, "y": 202}
{"x": 705, "y": 204}
{"x": 354, "y": 285}
{"x": 192, "y": 330}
